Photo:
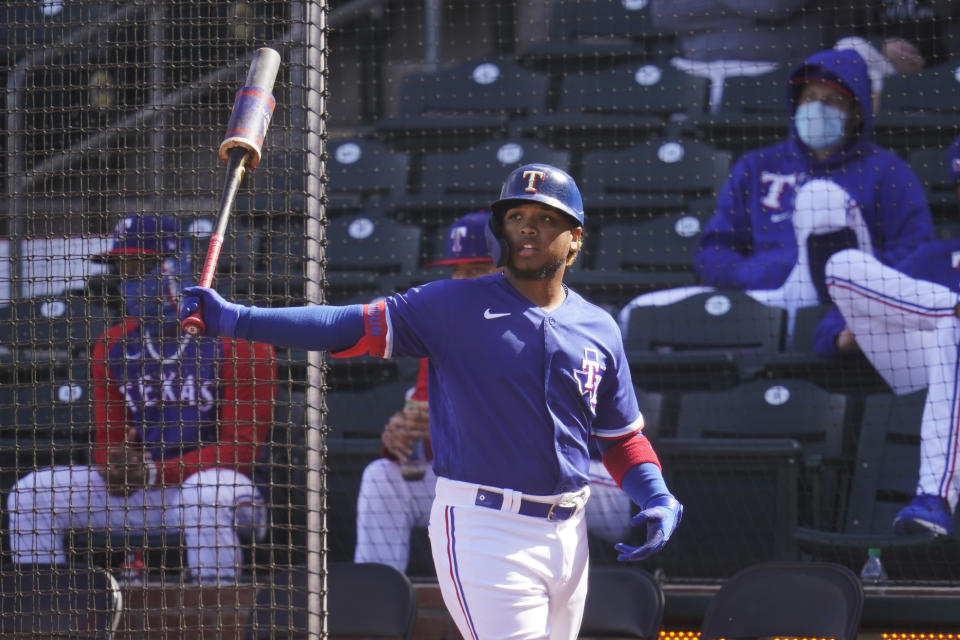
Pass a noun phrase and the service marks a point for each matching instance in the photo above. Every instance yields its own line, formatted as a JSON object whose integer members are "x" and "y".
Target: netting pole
{"x": 315, "y": 34}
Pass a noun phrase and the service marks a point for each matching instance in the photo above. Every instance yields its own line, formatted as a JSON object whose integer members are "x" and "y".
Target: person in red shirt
{"x": 180, "y": 425}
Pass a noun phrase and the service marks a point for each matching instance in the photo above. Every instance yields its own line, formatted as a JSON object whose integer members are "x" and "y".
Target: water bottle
{"x": 873, "y": 571}
{"x": 415, "y": 465}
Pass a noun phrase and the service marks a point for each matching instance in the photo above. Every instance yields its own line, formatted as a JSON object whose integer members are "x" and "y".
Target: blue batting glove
{"x": 219, "y": 316}
{"x": 661, "y": 516}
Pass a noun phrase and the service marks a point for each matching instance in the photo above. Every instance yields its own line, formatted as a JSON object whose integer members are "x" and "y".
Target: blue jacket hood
{"x": 845, "y": 68}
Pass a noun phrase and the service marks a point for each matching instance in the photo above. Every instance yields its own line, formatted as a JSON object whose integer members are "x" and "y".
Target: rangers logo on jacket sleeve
{"x": 589, "y": 376}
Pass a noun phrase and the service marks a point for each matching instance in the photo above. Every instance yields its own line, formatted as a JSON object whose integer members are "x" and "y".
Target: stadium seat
{"x": 660, "y": 175}
{"x": 709, "y": 340}
{"x": 363, "y": 600}
{"x": 752, "y": 112}
{"x": 884, "y": 480}
{"x": 793, "y": 599}
{"x": 360, "y": 170}
{"x": 933, "y": 169}
{"x": 740, "y": 500}
{"x": 626, "y": 259}
{"x": 52, "y": 412}
{"x": 919, "y": 110}
{"x": 59, "y": 602}
{"x": 452, "y": 183}
{"x": 590, "y": 34}
{"x": 51, "y": 329}
{"x": 851, "y": 373}
{"x": 619, "y": 106}
{"x": 463, "y": 105}
{"x": 367, "y": 253}
{"x": 787, "y": 408}
{"x": 622, "y": 602}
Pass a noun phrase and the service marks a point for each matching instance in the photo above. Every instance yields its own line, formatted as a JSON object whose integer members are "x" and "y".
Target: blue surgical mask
{"x": 819, "y": 125}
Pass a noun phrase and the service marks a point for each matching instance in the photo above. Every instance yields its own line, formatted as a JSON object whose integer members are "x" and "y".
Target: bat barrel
{"x": 253, "y": 107}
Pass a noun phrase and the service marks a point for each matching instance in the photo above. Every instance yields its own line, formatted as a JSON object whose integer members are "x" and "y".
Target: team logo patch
{"x": 589, "y": 376}
{"x": 533, "y": 178}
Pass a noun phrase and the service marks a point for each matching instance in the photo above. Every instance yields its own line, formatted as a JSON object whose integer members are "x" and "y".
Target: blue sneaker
{"x": 925, "y": 513}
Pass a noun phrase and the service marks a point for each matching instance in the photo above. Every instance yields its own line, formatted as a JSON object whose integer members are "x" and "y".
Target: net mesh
{"x": 731, "y": 272}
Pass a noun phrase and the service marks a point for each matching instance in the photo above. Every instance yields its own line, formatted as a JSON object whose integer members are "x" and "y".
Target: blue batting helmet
{"x": 541, "y": 183}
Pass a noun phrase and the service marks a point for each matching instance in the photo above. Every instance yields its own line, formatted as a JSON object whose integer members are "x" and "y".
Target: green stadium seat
{"x": 363, "y": 600}
{"x": 463, "y": 105}
{"x": 752, "y": 112}
{"x": 884, "y": 480}
{"x": 452, "y": 183}
{"x": 709, "y": 340}
{"x": 920, "y": 110}
{"x": 619, "y": 106}
{"x": 933, "y": 169}
{"x": 785, "y": 408}
{"x": 660, "y": 175}
{"x": 622, "y": 602}
{"x": 586, "y": 34}
{"x": 793, "y": 599}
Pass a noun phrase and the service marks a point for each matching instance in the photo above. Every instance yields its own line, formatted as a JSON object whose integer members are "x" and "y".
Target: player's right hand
{"x": 219, "y": 316}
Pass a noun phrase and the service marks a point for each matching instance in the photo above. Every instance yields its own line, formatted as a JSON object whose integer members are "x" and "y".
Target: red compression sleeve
{"x": 625, "y": 454}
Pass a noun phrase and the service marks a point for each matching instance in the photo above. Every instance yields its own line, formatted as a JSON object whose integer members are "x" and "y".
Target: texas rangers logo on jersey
{"x": 533, "y": 178}
{"x": 589, "y": 376}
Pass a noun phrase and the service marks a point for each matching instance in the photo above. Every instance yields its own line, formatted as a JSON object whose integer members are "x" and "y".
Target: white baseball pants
{"x": 209, "y": 507}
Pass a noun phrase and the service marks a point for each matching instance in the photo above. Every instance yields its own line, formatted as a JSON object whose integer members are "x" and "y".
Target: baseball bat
{"x": 241, "y": 147}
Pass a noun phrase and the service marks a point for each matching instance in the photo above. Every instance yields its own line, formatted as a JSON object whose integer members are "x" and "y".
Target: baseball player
{"x": 390, "y": 501}
{"x": 180, "y": 425}
{"x": 786, "y": 207}
{"x": 906, "y": 322}
{"x": 523, "y": 374}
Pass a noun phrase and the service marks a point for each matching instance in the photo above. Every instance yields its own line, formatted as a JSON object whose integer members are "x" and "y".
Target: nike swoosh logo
{"x": 780, "y": 217}
{"x": 490, "y": 316}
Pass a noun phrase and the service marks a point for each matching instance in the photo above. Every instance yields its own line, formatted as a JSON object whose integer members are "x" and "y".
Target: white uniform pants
{"x": 209, "y": 507}
{"x": 505, "y": 575}
{"x": 907, "y": 329}
{"x": 388, "y": 507}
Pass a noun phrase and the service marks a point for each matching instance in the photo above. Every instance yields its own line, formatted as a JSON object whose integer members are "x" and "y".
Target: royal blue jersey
{"x": 515, "y": 393}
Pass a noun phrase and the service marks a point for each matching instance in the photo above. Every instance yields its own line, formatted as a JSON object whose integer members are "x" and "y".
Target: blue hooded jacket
{"x": 749, "y": 243}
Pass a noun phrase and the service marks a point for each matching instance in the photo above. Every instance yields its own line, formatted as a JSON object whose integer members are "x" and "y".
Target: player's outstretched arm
{"x": 314, "y": 328}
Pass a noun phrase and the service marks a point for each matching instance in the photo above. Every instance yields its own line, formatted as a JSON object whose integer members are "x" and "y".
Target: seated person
{"x": 785, "y": 207}
{"x": 180, "y": 426}
{"x": 396, "y": 495}
{"x": 905, "y": 321}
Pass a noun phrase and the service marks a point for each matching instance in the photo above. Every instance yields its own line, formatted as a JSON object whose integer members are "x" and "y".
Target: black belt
{"x": 494, "y": 500}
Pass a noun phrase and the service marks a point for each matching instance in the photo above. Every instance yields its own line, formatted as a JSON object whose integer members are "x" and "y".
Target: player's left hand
{"x": 661, "y": 517}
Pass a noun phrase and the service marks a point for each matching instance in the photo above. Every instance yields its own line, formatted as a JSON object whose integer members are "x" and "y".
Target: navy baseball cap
{"x": 467, "y": 241}
{"x": 147, "y": 234}
{"x": 953, "y": 157}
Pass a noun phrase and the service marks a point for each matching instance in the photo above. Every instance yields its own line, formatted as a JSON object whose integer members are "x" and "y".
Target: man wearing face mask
{"x": 786, "y": 208}
{"x": 180, "y": 425}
